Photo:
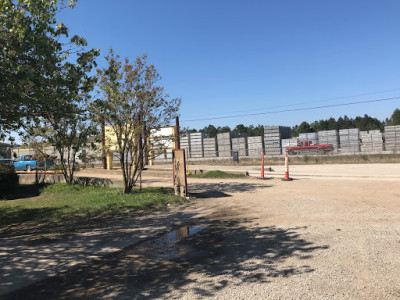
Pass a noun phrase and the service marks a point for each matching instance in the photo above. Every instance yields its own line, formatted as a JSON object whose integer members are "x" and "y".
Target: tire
{"x": 321, "y": 151}
{"x": 28, "y": 168}
{"x": 290, "y": 152}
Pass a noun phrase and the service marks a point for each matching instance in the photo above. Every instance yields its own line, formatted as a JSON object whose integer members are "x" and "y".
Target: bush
{"x": 8, "y": 179}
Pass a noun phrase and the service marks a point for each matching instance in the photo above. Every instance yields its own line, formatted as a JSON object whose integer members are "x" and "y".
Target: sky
{"x": 257, "y": 58}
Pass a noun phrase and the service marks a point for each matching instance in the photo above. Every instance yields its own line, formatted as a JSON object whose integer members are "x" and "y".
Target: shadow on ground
{"x": 232, "y": 187}
{"x": 224, "y": 253}
{"x": 24, "y": 191}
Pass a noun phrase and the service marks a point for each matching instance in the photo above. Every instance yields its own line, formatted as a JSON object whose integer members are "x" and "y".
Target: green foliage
{"x": 44, "y": 73}
{"x": 37, "y": 71}
{"x": 364, "y": 123}
{"x": 305, "y": 158}
{"x": 210, "y": 130}
{"x": 223, "y": 129}
{"x": 395, "y": 118}
{"x": 8, "y": 179}
{"x": 304, "y": 127}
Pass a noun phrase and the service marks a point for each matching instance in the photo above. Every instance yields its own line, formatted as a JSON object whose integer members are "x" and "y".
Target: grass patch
{"x": 217, "y": 174}
{"x": 62, "y": 203}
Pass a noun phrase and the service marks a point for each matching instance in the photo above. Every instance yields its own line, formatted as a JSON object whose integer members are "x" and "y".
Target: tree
{"x": 131, "y": 101}
{"x": 35, "y": 56}
{"x": 210, "y": 130}
{"x": 395, "y": 118}
{"x": 44, "y": 75}
{"x": 240, "y": 129}
{"x": 223, "y": 129}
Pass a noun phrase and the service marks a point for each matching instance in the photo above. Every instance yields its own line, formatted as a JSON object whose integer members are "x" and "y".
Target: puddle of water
{"x": 165, "y": 247}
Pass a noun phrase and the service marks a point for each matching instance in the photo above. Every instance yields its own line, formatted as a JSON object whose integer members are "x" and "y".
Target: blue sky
{"x": 241, "y": 57}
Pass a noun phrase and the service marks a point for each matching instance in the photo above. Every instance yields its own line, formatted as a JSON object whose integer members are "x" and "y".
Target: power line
{"x": 296, "y": 109}
{"x": 309, "y": 102}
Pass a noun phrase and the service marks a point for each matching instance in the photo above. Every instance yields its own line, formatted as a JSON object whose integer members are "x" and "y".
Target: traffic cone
{"x": 262, "y": 166}
{"x": 287, "y": 178}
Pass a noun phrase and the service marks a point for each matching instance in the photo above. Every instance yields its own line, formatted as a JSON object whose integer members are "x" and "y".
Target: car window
{"x": 301, "y": 144}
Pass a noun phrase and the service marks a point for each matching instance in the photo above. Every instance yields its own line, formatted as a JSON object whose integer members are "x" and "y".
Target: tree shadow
{"x": 232, "y": 187}
{"x": 210, "y": 194}
{"x": 223, "y": 251}
{"x": 93, "y": 181}
{"x": 24, "y": 191}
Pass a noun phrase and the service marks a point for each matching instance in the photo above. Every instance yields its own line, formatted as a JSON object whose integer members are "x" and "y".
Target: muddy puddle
{"x": 167, "y": 246}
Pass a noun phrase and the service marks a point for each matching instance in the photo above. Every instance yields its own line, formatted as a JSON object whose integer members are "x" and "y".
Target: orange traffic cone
{"x": 262, "y": 166}
{"x": 287, "y": 178}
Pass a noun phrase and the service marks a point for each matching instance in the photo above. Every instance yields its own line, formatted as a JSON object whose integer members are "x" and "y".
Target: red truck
{"x": 308, "y": 146}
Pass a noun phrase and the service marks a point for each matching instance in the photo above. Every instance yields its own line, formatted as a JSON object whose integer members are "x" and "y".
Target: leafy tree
{"x": 35, "y": 61}
{"x": 132, "y": 100}
{"x": 210, "y": 130}
{"x": 240, "y": 129}
{"x": 395, "y": 118}
{"x": 223, "y": 129}
{"x": 44, "y": 75}
{"x": 67, "y": 129}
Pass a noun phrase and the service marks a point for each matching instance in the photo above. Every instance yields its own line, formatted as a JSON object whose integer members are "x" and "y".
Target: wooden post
{"x": 109, "y": 161}
{"x": 178, "y": 138}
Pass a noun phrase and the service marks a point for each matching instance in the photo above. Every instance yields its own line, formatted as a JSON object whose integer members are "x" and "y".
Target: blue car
{"x": 29, "y": 163}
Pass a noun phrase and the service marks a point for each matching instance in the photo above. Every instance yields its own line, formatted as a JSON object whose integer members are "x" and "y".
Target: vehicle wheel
{"x": 321, "y": 151}
{"x": 28, "y": 168}
{"x": 290, "y": 152}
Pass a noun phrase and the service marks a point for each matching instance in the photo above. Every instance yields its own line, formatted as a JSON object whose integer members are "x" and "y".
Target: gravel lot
{"x": 312, "y": 238}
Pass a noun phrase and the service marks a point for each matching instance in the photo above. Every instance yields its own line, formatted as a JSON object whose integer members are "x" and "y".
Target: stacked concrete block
{"x": 239, "y": 144}
{"x": 185, "y": 142}
{"x": 160, "y": 155}
{"x": 349, "y": 140}
{"x": 288, "y": 142}
{"x": 224, "y": 144}
{"x": 196, "y": 144}
{"x": 272, "y": 138}
{"x": 329, "y": 137}
{"x": 392, "y": 138}
{"x": 309, "y": 136}
{"x": 169, "y": 154}
{"x": 371, "y": 141}
{"x": 210, "y": 147}
{"x": 255, "y": 145}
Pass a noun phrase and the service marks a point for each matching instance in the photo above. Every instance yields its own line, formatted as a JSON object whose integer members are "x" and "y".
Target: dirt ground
{"x": 321, "y": 236}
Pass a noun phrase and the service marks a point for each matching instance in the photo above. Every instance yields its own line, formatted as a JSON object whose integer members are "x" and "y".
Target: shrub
{"x": 8, "y": 179}
{"x": 306, "y": 158}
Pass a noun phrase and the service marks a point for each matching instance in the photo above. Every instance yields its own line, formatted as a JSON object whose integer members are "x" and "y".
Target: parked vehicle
{"x": 29, "y": 163}
{"x": 307, "y": 146}
{"x": 7, "y": 161}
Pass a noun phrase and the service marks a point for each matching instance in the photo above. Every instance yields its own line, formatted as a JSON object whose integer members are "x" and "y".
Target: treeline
{"x": 212, "y": 131}
{"x": 363, "y": 123}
